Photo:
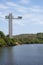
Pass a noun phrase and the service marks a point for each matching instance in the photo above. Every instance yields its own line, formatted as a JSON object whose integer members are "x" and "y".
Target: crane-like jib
{"x": 10, "y": 18}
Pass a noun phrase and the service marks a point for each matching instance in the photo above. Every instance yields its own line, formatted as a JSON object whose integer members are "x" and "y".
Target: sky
{"x": 31, "y": 12}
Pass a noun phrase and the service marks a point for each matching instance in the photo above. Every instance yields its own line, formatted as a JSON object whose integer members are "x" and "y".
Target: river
{"x": 31, "y": 54}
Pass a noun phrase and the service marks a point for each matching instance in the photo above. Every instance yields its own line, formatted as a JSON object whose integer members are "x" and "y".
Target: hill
{"x": 29, "y": 38}
{"x": 21, "y": 39}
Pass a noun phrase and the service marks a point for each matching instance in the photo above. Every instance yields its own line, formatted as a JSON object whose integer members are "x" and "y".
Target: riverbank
{"x": 20, "y": 39}
{"x": 17, "y": 44}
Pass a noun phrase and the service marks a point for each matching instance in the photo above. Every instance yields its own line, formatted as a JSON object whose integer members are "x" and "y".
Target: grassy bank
{"x": 20, "y": 39}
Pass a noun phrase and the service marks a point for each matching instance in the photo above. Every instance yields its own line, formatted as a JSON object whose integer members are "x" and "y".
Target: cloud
{"x": 2, "y": 6}
{"x": 11, "y": 4}
{"x": 16, "y": 7}
{"x": 32, "y": 14}
{"x": 0, "y": 13}
{"x": 33, "y": 19}
{"x": 23, "y": 9}
{"x": 36, "y": 9}
{"x": 19, "y": 23}
{"x": 24, "y": 1}
{"x": 29, "y": 14}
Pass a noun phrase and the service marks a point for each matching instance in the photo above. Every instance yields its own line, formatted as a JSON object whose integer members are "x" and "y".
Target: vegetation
{"x": 6, "y": 41}
{"x": 29, "y": 38}
{"x": 20, "y": 39}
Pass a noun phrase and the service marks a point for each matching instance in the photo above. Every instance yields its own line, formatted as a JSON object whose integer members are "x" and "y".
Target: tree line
{"x": 20, "y": 39}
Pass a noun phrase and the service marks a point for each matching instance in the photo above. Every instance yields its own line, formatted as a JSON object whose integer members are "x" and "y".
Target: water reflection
{"x": 22, "y": 55}
{"x": 6, "y": 56}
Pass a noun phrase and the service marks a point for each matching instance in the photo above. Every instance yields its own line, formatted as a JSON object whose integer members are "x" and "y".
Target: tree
{"x": 2, "y": 42}
{"x": 2, "y": 35}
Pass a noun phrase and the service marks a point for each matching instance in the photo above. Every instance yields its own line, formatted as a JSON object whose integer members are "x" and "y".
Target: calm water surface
{"x": 31, "y": 54}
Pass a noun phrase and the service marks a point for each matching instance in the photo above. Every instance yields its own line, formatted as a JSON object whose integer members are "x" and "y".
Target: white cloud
{"x": 33, "y": 19}
{"x": 30, "y": 13}
{"x": 2, "y": 6}
{"x": 19, "y": 23}
{"x": 11, "y": 4}
{"x": 0, "y": 13}
{"x": 16, "y": 7}
{"x": 24, "y": 1}
{"x": 36, "y": 9}
{"x": 24, "y": 9}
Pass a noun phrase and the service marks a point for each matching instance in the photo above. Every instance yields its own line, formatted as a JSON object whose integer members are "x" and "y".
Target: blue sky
{"x": 30, "y": 10}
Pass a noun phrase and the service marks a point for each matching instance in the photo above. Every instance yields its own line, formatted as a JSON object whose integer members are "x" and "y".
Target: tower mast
{"x": 10, "y": 18}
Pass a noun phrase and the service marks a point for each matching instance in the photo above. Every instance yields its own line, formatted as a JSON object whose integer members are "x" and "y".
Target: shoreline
{"x": 17, "y": 44}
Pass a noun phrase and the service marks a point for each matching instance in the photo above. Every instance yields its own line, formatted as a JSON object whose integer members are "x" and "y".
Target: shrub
{"x": 2, "y": 42}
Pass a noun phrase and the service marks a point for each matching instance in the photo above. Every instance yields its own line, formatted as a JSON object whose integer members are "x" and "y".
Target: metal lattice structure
{"x": 10, "y": 17}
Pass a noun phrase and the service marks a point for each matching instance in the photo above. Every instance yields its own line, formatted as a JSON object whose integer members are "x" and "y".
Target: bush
{"x": 2, "y": 42}
{"x": 9, "y": 41}
{"x": 2, "y": 35}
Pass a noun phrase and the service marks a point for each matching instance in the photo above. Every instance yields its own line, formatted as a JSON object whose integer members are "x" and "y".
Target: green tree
{"x": 2, "y": 35}
{"x": 2, "y": 42}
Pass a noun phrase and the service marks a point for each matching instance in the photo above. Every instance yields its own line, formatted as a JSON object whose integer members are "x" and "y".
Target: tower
{"x": 10, "y": 18}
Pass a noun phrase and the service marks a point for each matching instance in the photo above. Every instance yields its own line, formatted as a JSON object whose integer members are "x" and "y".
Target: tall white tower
{"x": 10, "y": 17}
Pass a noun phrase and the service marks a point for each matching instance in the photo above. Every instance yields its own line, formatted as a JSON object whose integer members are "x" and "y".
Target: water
{"x": 31, "y": 54}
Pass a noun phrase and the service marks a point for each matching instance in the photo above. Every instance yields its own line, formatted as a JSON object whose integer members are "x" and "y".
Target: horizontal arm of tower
{"x": 19, "y": 17}
{"x": 7, "y": 17}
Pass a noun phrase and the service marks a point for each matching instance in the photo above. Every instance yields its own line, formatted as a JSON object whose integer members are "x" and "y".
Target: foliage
{"x": 29, "y": 38}
{"x": 2, "y": 35}
{"x": 20, "y": 39}
{"x": 2, "y": 42}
